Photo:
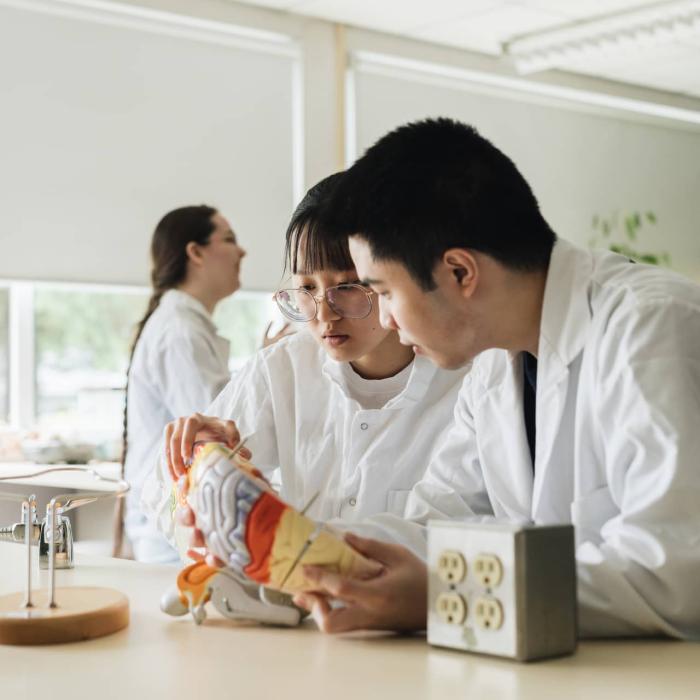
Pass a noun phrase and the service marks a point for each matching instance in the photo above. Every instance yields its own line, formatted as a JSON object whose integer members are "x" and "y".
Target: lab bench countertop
{"x": 162, "y": 657}
{"x": 79, "y": 480}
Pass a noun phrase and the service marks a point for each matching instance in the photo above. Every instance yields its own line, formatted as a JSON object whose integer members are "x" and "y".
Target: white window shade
{"x": 104, "y": 127}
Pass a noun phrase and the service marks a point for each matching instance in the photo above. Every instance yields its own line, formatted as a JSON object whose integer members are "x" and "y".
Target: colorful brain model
{"x": 249, "y": 527}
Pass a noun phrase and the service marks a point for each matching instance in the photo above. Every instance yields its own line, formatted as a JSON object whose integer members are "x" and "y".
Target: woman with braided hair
{"x": 178, "y": 361}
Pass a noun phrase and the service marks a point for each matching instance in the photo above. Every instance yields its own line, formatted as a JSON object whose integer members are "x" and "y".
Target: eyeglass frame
{"x": 324, "y": 297}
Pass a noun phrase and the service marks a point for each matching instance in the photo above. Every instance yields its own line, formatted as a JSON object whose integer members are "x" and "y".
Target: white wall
{"x": 578, "y": 163}
{"x": 97, "y": 143}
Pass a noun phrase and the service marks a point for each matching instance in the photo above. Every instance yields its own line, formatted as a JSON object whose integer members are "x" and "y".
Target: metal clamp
{"x": 40, "y": 534}
{"x": 56, "y": 532}
{"x": 63, "y": 542}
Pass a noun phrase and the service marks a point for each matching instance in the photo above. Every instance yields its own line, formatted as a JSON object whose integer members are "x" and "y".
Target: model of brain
{"x": 249, "y": 527}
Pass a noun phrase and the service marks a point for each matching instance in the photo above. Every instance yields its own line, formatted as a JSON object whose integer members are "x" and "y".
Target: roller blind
{"x": 105, "y": 127}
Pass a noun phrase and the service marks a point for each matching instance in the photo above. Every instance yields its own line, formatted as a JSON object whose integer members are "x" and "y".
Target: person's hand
{"x": 395, "y": 599}
{"x": 182, "y": 433}
{"x": 268, "y": 340}
{"x": 185, "y": 516}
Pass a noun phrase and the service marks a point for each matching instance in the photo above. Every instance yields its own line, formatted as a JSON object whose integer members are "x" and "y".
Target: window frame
{"x": 6, "y": 286}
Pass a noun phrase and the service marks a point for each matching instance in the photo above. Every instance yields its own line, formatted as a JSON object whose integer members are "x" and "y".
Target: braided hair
{"x": 168, "y": 270}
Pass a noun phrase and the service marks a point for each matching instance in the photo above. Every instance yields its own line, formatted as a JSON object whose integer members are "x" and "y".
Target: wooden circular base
{"x": 81, "y": 613}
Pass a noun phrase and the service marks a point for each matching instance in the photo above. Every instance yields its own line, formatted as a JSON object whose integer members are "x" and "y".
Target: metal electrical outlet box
{"x": 502, "y": 589}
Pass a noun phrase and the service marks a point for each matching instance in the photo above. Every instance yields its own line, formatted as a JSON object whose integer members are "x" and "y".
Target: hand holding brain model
{"x": 259, "y": 536}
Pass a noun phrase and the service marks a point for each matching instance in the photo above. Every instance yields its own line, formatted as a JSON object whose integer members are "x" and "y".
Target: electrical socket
{"x": 488, "y": 613}
{"x": 488, "y": 570}
{"x": 451, "y": 567}
{"x": 451, "y": 607}
{"x": 502, "y": 589}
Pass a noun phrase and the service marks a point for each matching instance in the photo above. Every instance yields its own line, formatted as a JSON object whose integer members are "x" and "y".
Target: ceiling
{"x": 670, "y": 62}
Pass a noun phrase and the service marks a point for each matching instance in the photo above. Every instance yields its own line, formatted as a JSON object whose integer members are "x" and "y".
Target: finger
{"x": 197, "y": 538}
{"x": 335, "y": 620}
{"x": 218, "y": 430}
{"x": 345, "y": 619}
{"x": 320, "y": 610}
{"x": 167, "y": 433}
{"x": 192, "y": 425}
{"x": 233, "y": 437}
{"x": 348, "y": 590}
{"x": 383, "y": 552}
{"x": 178, "y": 466}
{"x": 304, "y": 600}
{"x": 214, "y": 561}
{"x": 307, "y": 600}
{"x": 245, "y": 453}
{"x": 194, "y": 554}
{"x": 365, "y": 568}
{"x": 185, "y": 516}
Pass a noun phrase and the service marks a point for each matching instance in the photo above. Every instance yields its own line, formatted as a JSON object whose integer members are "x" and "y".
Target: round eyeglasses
{"x": 346, "y": 300}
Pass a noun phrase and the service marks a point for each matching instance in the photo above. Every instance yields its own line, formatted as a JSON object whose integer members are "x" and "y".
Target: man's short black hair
{"x": 438, "y": 184}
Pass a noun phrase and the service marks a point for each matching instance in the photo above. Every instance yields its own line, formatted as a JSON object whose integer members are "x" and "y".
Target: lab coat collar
{"x": 183, "y": 300}
{"x": 418, "y": 383}
{"x": 566, "y": 314}
{"x": 566, "y": 318}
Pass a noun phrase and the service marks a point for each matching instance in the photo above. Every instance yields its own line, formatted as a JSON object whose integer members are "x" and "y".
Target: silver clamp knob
{"x": 63, "y": 539}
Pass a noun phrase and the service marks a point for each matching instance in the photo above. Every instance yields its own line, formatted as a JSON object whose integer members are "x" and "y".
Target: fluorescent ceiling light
{"x": 654, "y": 24}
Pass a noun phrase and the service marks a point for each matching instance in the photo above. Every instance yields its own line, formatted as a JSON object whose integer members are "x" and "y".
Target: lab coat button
{"x": 353, "y": 501}
{"x": 364, "y": 426}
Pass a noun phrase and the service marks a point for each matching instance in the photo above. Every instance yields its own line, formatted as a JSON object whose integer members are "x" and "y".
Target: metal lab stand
{"x": 54, "y": 534}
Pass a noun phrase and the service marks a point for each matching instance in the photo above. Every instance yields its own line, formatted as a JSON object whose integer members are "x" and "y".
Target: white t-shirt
{"x": 373, "y": 393}
{"x": 303, "y": 426}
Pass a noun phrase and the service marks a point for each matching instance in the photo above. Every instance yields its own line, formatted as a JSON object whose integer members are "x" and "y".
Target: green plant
{"x": 620, "y": 233}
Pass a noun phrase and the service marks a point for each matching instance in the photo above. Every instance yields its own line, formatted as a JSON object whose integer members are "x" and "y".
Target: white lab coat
{"x": 308, "y": 434}
{"x": 618, "y": 442}
{"x": 179, "y": 366}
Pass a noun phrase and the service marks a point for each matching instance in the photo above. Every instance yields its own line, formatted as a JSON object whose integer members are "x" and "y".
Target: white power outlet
{"x": 488, "y": 570}
{"x": 451, "y": 567}
{"x": 488, "y": 613}
{"x": 451, "y": 608}
{"x": 502, "y": 589}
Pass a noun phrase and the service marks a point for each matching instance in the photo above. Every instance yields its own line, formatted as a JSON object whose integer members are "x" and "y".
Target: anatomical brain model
{"x": 254, "y": 532}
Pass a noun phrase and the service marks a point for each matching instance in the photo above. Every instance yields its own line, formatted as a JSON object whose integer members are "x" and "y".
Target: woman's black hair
{"x": 307, "y": 246}
{"x": 168, "y": 269}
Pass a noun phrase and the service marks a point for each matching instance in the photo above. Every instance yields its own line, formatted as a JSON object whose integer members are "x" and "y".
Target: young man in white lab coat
{"x": 583, "y": 403}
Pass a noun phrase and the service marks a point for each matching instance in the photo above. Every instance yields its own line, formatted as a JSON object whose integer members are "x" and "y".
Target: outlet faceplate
{"x": 502, "y": 589}
{"x": 493, "y": 631}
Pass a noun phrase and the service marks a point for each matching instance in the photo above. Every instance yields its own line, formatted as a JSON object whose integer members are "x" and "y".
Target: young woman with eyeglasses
{"x": 340, "y": 409}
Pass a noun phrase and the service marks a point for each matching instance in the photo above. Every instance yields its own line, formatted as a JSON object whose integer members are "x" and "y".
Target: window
{"x": 81, "y": 336}
{"x": 82, "y": 341}
{"x": 242, "y": 319}
{"x": 4, "y": 356}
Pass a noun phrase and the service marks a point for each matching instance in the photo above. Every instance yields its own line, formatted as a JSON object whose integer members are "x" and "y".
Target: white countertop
{"x": 162, "y": 657}
{"x": 62, "y": 480}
